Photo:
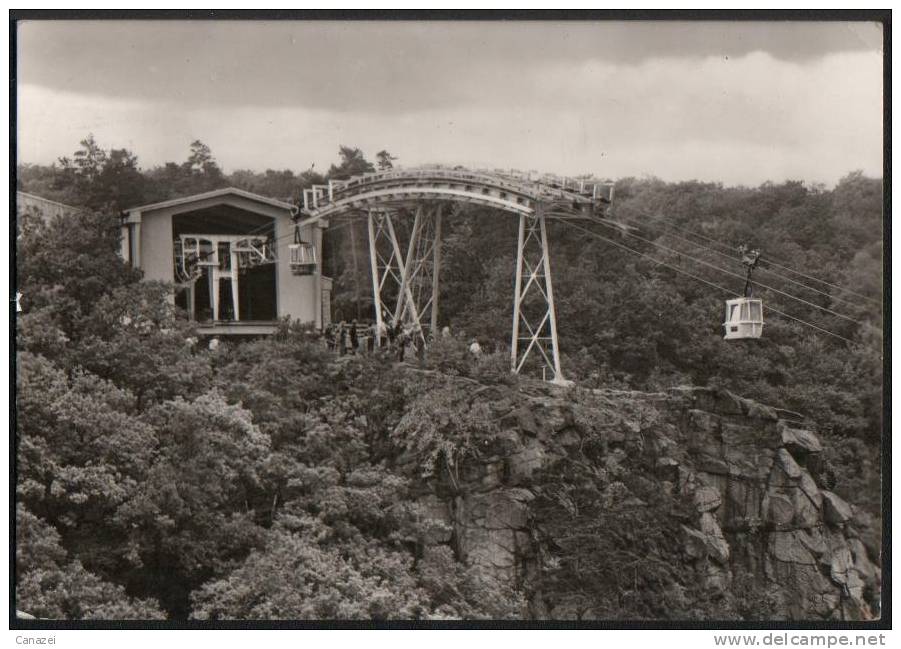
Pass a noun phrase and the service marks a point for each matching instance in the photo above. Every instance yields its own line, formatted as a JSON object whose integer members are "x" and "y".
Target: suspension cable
{"x": 768, "y": 260}
{"x": 700, "y": 279}
{"x": 727, "y": 272}
{"x": 731, "y": 257}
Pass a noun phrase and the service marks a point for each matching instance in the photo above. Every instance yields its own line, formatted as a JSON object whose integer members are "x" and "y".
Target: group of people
{"x": 355, "y": 338}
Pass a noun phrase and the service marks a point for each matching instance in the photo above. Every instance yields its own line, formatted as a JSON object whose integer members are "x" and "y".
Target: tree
{"x": 66, "y": 265}
{"x": 202, "y": 170}
{"x": 47, "y": 181}
{"x": 49, "y": 586}
{"x": 283, "y": 185}
{"x": 385, "y": 160}
{"x": 82, "y": 458}
{"x": 135, "y": 338}
{"x": 239, "y": 478}
{"x": 120, "y": 182}
{"x": 294, "y": 577}
{"x": 353, "y": 163}
{"x": 87, "y": 162}
{"x": 193, "y": 517}
{"x": 101, "y": 179}
{"x": 200, "y": 158}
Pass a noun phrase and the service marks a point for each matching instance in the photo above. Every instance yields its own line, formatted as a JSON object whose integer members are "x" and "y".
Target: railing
{"x": 530, "y": 185}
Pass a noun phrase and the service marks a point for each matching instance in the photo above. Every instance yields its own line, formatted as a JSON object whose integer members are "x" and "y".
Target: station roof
{"x": 216, "y": 193}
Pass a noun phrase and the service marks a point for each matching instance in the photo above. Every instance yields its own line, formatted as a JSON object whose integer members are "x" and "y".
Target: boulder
{"x": 814, "y": 541}
{"x": 569, "y": 438}
{"x": 694, "y": 543}
{"x": 788, "y": 465}
{"x": 714, "y": 465}
{"x": 718, "y": 401}
{"x": 751, "y": 462}
{"x": 553, "y": 415}
{"x": 486, "y": 475}
{"x": 504, "y": 442}
{"x": 800, "y": 442}
{"x": 707, "y": 499}
{"x": 717, "y": 548}
{"x": 740, "y": 434}
{"x": 788, "y": 547}
{"x": 667, "y": 469}
{"x": 526, "y": 421}
{"x": 841, "y": 564}
{"x": 807, "y": 513}
{"x": 862, "y": 560}
{"x": 779, "y": 510}
{"x": 703, "y": 422}
{"x": 811, "y": 490}
{"x": 754, "y": 410}
{"x": 744, "y": 502}
{"x": 835, "y": 510}
{"x": 527, "y": 460}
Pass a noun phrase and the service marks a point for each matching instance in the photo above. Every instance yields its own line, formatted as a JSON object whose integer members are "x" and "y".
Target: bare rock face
{"x": 707, "y": 499}
{"x": 836, "y": 511}
{"x": 774, "y": 514}
{"x": 750, "y": 477}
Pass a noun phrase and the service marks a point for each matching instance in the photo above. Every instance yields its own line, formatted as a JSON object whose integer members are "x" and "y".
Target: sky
{"x": 733, "y": 102}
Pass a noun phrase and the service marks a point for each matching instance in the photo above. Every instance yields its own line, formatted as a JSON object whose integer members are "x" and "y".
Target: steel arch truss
{"x": 405, "y": 286}
{"x": 534, "y": 339}
{"x": 405, "y": 279}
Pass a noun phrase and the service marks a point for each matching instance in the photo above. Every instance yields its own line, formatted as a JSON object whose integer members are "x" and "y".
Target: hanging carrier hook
{"x": 749, "y": 258}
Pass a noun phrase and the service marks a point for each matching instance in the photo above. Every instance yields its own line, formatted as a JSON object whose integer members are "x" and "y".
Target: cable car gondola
{"x": 744, "y": 315}
{"x": 303, "y": 255}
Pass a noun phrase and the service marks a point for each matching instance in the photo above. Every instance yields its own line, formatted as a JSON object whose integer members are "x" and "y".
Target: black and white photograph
{"x": 561, "y": 319}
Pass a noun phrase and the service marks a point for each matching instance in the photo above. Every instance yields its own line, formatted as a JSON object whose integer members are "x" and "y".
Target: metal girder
{"x": 510, "y": 191}
{"x": 405, "y": 280}
{"x": 534, "y": 314}
{"x": 405, "y": 287}
{"x": 405, "y": 283}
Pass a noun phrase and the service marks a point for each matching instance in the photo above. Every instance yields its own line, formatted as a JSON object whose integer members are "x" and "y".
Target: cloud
{"x": 736, "y": 120}
{"x": 386, "y": 66}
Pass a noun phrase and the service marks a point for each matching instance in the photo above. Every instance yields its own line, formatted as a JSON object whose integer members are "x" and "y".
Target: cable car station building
{"x": 237, "y": 260}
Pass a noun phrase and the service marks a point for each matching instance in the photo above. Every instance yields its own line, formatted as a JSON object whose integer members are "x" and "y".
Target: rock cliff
{"x": 755, "y": 501}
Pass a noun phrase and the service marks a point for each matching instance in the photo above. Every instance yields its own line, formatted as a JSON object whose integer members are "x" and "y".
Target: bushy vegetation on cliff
{"x": 158, "y": 478}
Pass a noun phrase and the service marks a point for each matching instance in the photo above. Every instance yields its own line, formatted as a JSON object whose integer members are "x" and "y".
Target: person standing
{"x": 342, "y": 339}
{"x": 401, "y": 345}
{"x": 372, "y": 340}
{"x": 392, "y": 336}
{"x": 354, "y": 341}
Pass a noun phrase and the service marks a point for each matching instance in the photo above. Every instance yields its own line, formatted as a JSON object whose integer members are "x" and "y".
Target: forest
{"x": 159, "y": 479}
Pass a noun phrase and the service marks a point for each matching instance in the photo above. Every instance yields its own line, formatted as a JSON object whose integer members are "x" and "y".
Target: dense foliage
{"x": 262, "y": 480}
{"x": 155, "y": 475}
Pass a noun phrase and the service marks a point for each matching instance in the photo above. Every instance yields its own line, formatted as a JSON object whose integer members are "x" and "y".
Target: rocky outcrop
{"x": 774, "y": 515}
{"x": 751, "y": 478}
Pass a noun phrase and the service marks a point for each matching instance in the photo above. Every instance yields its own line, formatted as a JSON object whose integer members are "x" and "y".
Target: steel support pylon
{"x": 534, "y": 339}
{"x": 405, "y": 286}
